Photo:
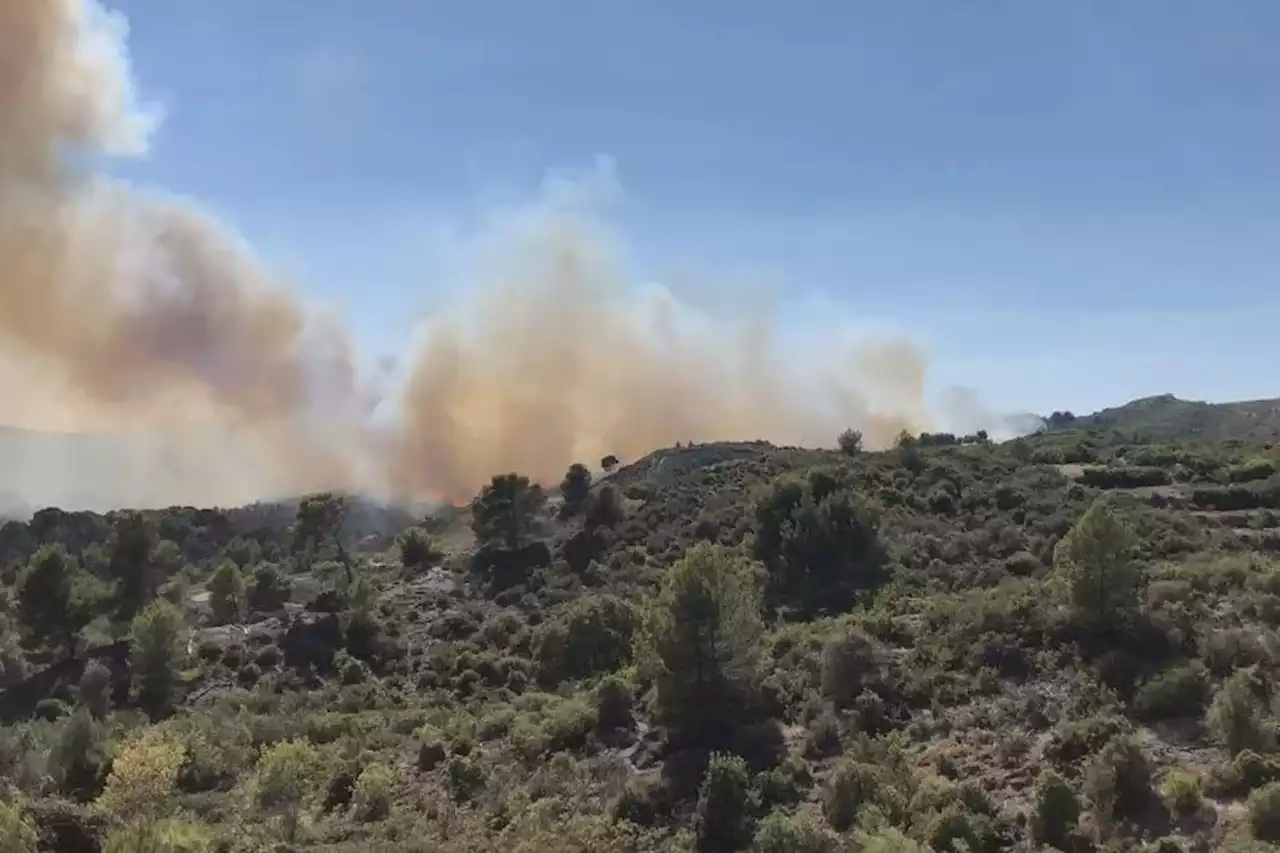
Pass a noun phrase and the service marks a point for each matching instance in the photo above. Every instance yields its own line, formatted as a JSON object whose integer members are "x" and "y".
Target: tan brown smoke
{"x": 131, "y": 314}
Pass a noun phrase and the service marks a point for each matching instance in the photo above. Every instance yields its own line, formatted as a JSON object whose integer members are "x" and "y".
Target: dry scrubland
{"x": 1067, "y": 641}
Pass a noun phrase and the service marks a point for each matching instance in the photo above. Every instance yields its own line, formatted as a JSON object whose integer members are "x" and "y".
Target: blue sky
{"x": 1070, "y": 203}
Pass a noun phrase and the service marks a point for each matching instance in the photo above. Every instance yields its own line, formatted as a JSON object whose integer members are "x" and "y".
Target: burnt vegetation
{"x": 1065, "y": 641}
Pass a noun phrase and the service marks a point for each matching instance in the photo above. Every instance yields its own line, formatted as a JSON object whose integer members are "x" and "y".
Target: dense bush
{"x": 819, "y": 540}
{"x": 591, "y": 635}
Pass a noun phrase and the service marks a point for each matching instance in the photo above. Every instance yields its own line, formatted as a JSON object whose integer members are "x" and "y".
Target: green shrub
{"x": 1076, "y": 740}
{"x": 569, "y": 724}
{"x": 372, "y": 794}
{"x": 1182, "y": 792}
{"x": 785, "y": 833}
{"x": 77, "y": 757}
{"x": 645, "y": 801}
{"x": 1176, "y": 692}
{"x": 851, "y": 785}
{"x": 1235, "y": 718}
{"x": 17, "y": 832}
{"x": 268, "y": 592}
{"x": 589, "y": 636}
{"x": 820, "y": 542}
{"x": 1264, "y": 812}
{"x": 416, "y": 550}
{"x": 846, "y": 661}
{"x": 722, "y": 821}
{"x": 286, "y": 781}
{"x": 1125, "y": 477}
{"x": 464, "y": 778}
{"x": 613, "y": 703}
{"x": 95, "y": 689}
{"x": 786, "y": 784}
{"x": 1252, "y": 770}
{"x": 1056, "y": 810}
{"x": 1118, "y": 781}
{"x": 957, "y": 829}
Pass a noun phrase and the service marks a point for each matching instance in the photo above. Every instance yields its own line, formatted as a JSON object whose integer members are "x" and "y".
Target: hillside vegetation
{"x": 1169, "y": 418}
{"x": 1068, "y": 641}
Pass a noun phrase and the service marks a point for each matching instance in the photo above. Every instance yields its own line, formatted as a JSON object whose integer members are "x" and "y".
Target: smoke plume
{"x": 144, "y": 319}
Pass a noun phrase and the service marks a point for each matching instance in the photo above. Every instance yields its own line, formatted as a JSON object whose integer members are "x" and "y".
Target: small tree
{"x": 157, "y": 648}
{"x": 286, "y": 780}
{"x": 1096, "y": 559}
{"x": 1236, "y": 717}
{"x": 503, "y": 514}
{"x": 575, "y": 488}
{"x": 167, "y": 558}
{"x": 95, "y": 689}
{"x": 416, "y": 550}
{"x": 846, "y": 660}
{"x": 1117, "y": 781}
{"x": 820, "y": 542}
{"x": 1056, "y": 812}
{"x": 227, "y": 593}
{"x": 269, "y": 590}
{"x": 54, "y": 598}
{"x": 139, "y": 797}
{"x": 700, "y": 640}
{"x": 850, "y": 442}
{"x": 144, "y": 774}
{"x": 373, "y": 792}
{"x": 76, "y": 757}
{"x": 319, "y": 520}
{"x": 722, "y": 822}
{"x": 130, "y": 563}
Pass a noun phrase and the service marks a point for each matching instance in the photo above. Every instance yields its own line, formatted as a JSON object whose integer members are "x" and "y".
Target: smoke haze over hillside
{"x": 143, "y": 317}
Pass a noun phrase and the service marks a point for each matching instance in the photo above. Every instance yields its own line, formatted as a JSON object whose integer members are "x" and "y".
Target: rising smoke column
{"x": 140, "y": 315}
{"x": 144, "y": 310}
{"x": 558, "y": 357}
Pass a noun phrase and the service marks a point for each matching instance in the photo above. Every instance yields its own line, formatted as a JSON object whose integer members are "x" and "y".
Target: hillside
{"x": 935, "y": 647}
{"x": 1167, "y": 417}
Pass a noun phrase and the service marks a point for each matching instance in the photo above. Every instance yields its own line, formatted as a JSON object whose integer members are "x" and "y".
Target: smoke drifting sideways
{"x": 186, "y": 372}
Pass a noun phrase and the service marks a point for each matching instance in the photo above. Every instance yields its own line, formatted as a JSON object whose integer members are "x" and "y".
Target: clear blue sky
{"x": 1070, "y": 202}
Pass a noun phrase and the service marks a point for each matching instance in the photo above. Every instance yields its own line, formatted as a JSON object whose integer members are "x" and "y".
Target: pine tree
{"x": 1096, "y": 559}
{"x": 700, "y": 641}
{"x": 157, "y": 647}
{"x": 503, "y": 514}
{"x": 575, "y": 488}
{"x": 227, "y": 593}
{"x": 130, "y": 564}
{"x": 319, "y": 519}
{"x": 55, "y": 597}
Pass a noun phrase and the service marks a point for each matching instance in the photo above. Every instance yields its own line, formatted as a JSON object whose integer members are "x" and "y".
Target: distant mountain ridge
{"x": 1168, "y": 417}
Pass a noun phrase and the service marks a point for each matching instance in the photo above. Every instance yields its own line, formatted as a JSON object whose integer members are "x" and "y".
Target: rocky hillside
{"x": 1067, "y": 641}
